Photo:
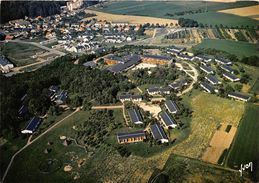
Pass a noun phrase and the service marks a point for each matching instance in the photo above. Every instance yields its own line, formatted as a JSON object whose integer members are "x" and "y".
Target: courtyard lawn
{"x": 232, "y": 47}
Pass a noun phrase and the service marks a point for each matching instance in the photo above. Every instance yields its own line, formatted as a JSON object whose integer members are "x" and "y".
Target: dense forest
{"x": 84, "y": 86}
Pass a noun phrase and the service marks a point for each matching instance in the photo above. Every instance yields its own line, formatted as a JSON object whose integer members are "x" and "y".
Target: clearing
{"x": 250, "y": 11}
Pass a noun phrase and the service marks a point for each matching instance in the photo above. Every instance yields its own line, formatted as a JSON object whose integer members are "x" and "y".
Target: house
{"x": 223, "y": 61}
{"x": 156, "y": 59}
{"x": 212, "y": 79}
{"x": 61, "y": 97}
{"x": 154, "y": 90}
{"x": 208, "y": 87}
{"x": 227, "y": 69}
{"x": 168, "y": 121}
{"x": 54, "y": 88}
{"x": 124, "y": 98}
{"x": 174, "y": 50}
{"x": 231, "y": 77}
{"x": 135, "y": 116}
{"x": 185, "y": 57}
{"x": 171, "y": 106}
{"x": 131, "y": 137}
{"x": 178, "y": 85}
{"x": 136, "y": 98}
{"x": 158, "y": 133}
{"x": 32, "y": 125}
{"x": 130, "y": 62}
{"x": 5, "y": 64}
{"x": 239, "y": 96}
{"x": 203, "y": 58}
{"x": 206, "y": 69}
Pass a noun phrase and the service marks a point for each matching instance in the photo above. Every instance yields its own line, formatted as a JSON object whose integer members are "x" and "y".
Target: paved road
{"x": 37, "y": 138}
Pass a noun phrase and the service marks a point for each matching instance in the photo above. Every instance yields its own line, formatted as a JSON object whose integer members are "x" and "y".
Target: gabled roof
{"x": 223, "y": 61}
{"x": 157, "y": 132}
{"x": 91, "y": 64}
{"x": 212, "y": 79}
{"x": 171, "y": 105}
{"x": 231, "y": 76}
{"x": 178, "y": 84}
{"x": 168, "y": 120}
{"x": 207, "y": 87}
{"x": 206, "y": 68}
{"x": 203, "y": 57}
{"x": 227, "y": 68}
{"x": 4, "y": 61}
{"x": 239, "y": 95}
{"x": 135, "y": 115}
{"x": 127, "y": 135}
{"x": 131, "y": 60}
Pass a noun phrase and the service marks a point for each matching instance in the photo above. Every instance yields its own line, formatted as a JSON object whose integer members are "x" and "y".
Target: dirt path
{"x": 37, "y": 138}
{"x": 108, "y": 107}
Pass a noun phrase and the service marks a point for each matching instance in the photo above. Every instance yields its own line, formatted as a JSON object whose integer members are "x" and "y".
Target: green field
{"x": 255, "y": 87}
{"x": 182, "y": 169}
{"x": 19, "y": 53}
{"x": 212, "y": 17}
{"x": 246, "y": 145}
{"x": 232, "y": 47}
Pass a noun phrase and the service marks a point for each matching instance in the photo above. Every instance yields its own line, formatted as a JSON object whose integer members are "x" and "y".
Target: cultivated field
{"x": 220, "y": 141}
{"x": 246, "y": 145}
{"x": 232, "y": 47}
{"x": 251, "y": 11}
{"x": 130, "y": 19}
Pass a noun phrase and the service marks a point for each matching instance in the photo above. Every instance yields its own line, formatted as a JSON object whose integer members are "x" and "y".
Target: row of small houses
{"x": 157, "y": 130}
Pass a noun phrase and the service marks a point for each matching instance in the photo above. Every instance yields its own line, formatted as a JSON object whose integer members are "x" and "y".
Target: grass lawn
{"x": 19, "y": 53}
{"x": 255, "y": 87}
{"x": 246, "y": 144}
{"x": 217, "y": 18}
{"x": 232, "y": 47}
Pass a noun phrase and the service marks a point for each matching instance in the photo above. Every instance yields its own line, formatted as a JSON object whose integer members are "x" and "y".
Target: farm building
{"x": 167, "y": 120}
{"x": 203, "y": 58}
{"x": 128, "y": 97}
{"x": 227, "y": 69}
{"x": 174, "y": 50}
{"x": 239, "y": 96}
{"x": 206, "y": 69}
{"x": 131, "y": 61}
{"x": 131, "y": 137}
{"x": 32, "y": 125}
{"x": 5, "y": 64}
{"x": 212, "y": 79}
{"x": 155, "y": 59}
{"x": 230, "y": 77}
{"x": 135, "y": 116}
{"x": 171, "y": 106}
{"x": 178, "y": 85}
{"x": 158, "y": 133}
{"x": 223, "y": 61}
{"x": 154, "y": 90}
{"x": 208, "y": 87}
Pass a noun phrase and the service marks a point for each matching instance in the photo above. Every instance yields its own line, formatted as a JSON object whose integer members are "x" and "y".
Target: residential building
{"x": 154, "y": 90}
{"x": 158, "y": 133}
{"x": 167, "y": 120}
{"x": 32, "y": 125}
{"x": 203, "y": 58}
{"x": 227, "y": 69}
{"x": 131, "y": 137}
{"x": 206, "y": 69}
{"x": 175, "y": 50}
{"x": 171, "y": 106}
{"x": 156, "y": 59}
{"x": 185, "y": 57}
{"x": 239, "y": 96}
{"x": 5, "y": 64}
{"x": 223, "y": 61}
{"x": 207, "y": 87}
{"x": 135, "y": 116}
{"x": 212, "y": 79}
{"x": 231, "y": 77}
{"x": 179, "y": 84}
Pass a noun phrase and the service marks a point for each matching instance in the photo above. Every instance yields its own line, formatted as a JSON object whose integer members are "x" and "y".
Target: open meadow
{"x": 232, "y": 47}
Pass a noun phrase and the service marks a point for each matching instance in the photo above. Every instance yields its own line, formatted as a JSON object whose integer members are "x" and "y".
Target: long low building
{"x": 179, "y": 84}
{"x": 131, "y": 137}
{"x": 158, "y": 133}
{"x": 206, "y": 69}
{"x": 135, "y": 116}
{"x": 112, "y": 59}
{"x": 5, "y": 64}
{"x": 167, "y": 120}
{"x": 227, "y": 69}
{"x": 212, "y": 79}
{"x": 158, "y": 90}
{"x": 174, "y": 50}
{"x": 231, "y": 77}
{"x": 207, "y": 87}
{"x": 239, "y": 96}
{"x": 32, "y": 125}
{"x": 171, "y": 106}
{"x": 156, "y": 59}
{"x": 223, "y": 61}
{"x": 128, "y": 97}
{"x": 203, "y": 58}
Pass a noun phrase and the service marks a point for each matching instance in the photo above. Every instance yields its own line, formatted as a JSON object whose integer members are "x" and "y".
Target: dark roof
{"x": 132, "y": 60}
{"x": 23, "y": 109}
{"x": 239, "y": 95}
{"x": 158, "y": 132}
{"x": 206, "y": 68}
{"x": 4, "y": 61}
{"x": 121, "y": 97}
{"x": 171, "y": 105}
{"x": 134, "y": 115}
{"x": 207, "y": 86}
{"x": 158, "y": 57}
{"x": 54, "y": 88}
{"x": 227, "y": 68}
{"x": 232, "y": 76}
{"x": 223, "y": 60}
{"x": 185, "y": 56}
{"x": 114, "y": 57}
{"x": 127, "y": 135}
{"x": 204, "y": 57}
{"x": 212, "y": 79}
{"x": 33, "y": 124}
{"x": 167, "y": 118}
{"x": 153, "y": 89}
{"x": 174, "y": 48}
{"x": 136, "y": 96}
